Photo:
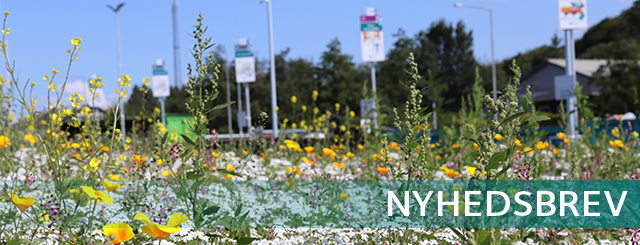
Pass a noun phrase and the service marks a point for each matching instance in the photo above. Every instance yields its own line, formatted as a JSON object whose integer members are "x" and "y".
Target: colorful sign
{"x": 371, "y": 38}
{"x": 573, "y": 14}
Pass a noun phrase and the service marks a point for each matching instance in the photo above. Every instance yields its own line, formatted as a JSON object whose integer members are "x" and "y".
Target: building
{"x": 541, "y": 78}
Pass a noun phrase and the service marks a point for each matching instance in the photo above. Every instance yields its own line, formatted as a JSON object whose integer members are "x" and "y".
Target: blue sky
{"x": 41, "y": 30}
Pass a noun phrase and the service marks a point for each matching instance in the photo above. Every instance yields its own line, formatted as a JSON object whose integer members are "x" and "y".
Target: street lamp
{"x": 123, "y": 128}
{"x": 493, "y": 52}
{"x": 274, "y": 102}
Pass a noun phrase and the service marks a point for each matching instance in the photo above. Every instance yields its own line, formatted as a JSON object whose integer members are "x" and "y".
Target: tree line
{"x": 445, "y": 58}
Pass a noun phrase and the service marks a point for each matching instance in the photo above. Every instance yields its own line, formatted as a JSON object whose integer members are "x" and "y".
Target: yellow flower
{"x": 230, "y": 168}
{"x": 105, "y": 148}
{"x": 360, "y": 147}
{"x": 6, "y": 32}
{"x": 475, "y": 146}
{"x": 76, "y": 41}
{"x": 161, "y": 231}
{"x": 352, "y": 114}
{"x": 77, "y": 155}
{"x": 328, "y": 152}
{"x": 165, "y": 173}
{"x": 616, "y": 143}
{"x": 344, "y": 196}
{"x": 567, "y": 140}
{"x": 304, "y": 108}
{"x": 542, "y": 145}
{"x": 561, "y": 135}
{"x": 383, "y": 170}
{"x": 343, "y": 128}
{"x": 308, "y": 149}
{"x": 4, "y": 141}
{"x": 228, "y": 177}
{"x": 472, "y": 171}
{"x": 499, "y": 137}
{"x": 314, "y": 95}
{"x": 555, "y": 151}
{"x": 215, "y": 154}
{"x": 30, "y": 138}
{"x": 337, "y": 106}
{"x": 75, "y": 145}
{"x": 294, "y": 99}
{"x": 350, "y": 155}
{"x": 97, "y": 194}
{"x": 118, "y": 233}
{"x": 110, "y": 187}
{"x": 615, "y": 132}
{"x": 305, "y": 159}
{"x": 634, "y": 134}
{"x": 277, "y": 108}
{"x": 450, "y": 172}
{"x": 338, "y": 164}
{"x": 23, "y": 202}
{"x": 114, "y": 177}
{"x": 139, "y": 159}
{"x": 518, "y": 143}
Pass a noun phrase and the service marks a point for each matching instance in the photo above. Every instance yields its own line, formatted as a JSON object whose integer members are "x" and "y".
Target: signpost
{"x": 573, "y": 15}
{"x": 245, "y": 73}
{"x": 372, "y": 44}
{"x": 160, "y": 84}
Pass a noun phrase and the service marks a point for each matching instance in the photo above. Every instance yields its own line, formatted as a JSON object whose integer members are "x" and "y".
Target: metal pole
{"x": 123, "y": 127}
{"x": 246, "y": 93}
{"x": 176, "y": 43}
{"x": 239, "y": 90}
{"x": 373, "y": 89}
{"x": 493, "y": 63}
{"x": 571, "y": 71}
{"x": 162, "y": 99}
{"x": 435, "y": 115}
{"x": 226, "y": 74}
{"x": 274, "y": 102}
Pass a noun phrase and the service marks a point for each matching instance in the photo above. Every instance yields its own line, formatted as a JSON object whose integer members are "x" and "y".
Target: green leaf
{"x": 538, "y": 118}
{"x": 224, "y": 171}
{"x": 494, "y": 161}
{"x": 512, "y": 117}
{"x": 428, "y": 236}
{"x": 244, "y": 216}
{"x": 245, "y": 240}
{"x": 211, "y": 210}
{"x": 218, "y": 107}
{"x": 483, "y": 238}
{"x": 196, "y": 184}
{"x": 412, "y": 145}
{"x": 194, "y": 176}
{"x": 188, "y": 140}
{"x": 164, "y": 138}
{"x": 238, "y": 210}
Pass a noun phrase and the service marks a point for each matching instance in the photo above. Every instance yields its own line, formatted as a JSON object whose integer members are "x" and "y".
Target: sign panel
{"x": 160, "y": 83}
{"x": 245, "y": 67}
{"x": 573, "y": 14}
{"x": 371, "y": 38}
{"x": 563, "y": 87}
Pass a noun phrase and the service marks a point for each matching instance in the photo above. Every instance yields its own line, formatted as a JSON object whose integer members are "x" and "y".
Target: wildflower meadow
{"x": 68, "y": 176}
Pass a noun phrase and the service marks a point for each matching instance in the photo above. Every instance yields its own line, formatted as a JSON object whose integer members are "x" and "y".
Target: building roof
{"x": 585, "y": 66}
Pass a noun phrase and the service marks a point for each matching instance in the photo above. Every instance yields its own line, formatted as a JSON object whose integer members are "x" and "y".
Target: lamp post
{"x": 123, "y": 128}
{"x": 274, "y": 102}
{"x": 493, "y": 52}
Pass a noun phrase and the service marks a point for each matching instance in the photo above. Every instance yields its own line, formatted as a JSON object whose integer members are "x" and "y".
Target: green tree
{"x": 340, "y": 80}
{"x": 620, "y": 93}
{"x": 446, "y": 51}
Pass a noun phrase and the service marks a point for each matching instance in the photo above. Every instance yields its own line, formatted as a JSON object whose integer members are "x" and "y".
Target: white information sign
{"x": 245, "y": 67}
{"x": 573, "y": 14}
{"x": 371, "y": 38}
{"x": 160, "y": 83}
